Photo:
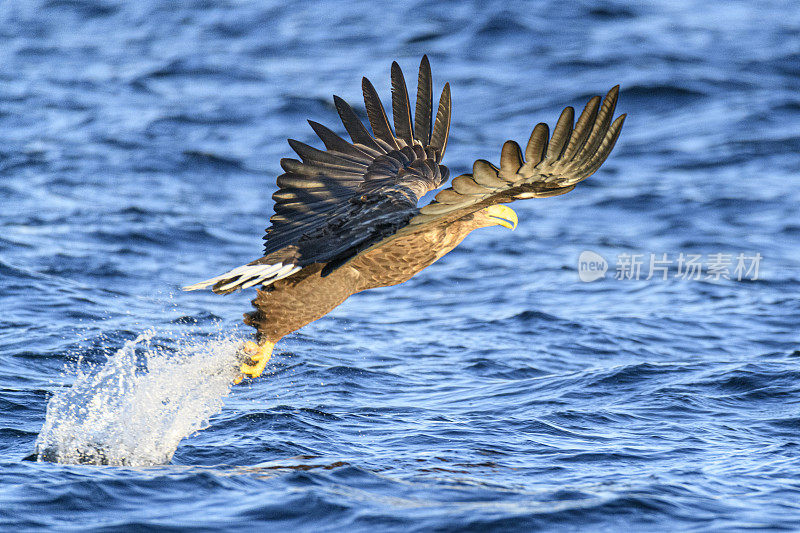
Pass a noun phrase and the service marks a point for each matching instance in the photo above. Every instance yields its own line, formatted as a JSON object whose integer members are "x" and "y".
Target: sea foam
{"x": 136, "y": 407}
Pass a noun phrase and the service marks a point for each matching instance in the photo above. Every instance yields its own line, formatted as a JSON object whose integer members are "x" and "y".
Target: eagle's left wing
{"x": 333, "y": 203}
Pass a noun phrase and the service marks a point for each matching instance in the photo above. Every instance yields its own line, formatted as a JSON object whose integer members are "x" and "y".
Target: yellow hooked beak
{"x": 505, "y": 216}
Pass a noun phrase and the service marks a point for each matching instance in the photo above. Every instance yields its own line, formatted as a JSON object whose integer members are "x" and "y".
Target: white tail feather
{"x": 284, "y": 271}
{"x": 250, "y": 283}
{"x": 246, "y": 276}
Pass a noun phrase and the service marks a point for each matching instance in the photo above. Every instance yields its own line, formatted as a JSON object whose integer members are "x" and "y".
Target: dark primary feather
{"x": 334, "y": 143}
{"x": 355, "y": 129}
{"x": 441, "y": 128}
{"x": 333, "y": 203}
{"x": 422, "y": 114}
{"x": 378, "y": 120}
{"x": 401, "y": 108}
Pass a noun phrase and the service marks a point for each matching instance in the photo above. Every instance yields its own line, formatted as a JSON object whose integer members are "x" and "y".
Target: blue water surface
{"x": 139, "y": 145}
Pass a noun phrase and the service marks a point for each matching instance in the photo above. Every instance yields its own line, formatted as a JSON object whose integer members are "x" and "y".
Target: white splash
{"x": 137, "y": 407}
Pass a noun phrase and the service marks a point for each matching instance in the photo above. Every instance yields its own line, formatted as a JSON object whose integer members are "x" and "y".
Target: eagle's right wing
{"x": 552, "y": 165}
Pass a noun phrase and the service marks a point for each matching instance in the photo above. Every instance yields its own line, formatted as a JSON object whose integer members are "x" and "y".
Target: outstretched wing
{"x": 552, "y": 165}
{"x": 333, "y": 203}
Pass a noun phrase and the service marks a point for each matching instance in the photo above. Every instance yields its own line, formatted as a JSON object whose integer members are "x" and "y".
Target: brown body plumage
{"x": 289, "y": 304}
{"x": 346, "y": 218}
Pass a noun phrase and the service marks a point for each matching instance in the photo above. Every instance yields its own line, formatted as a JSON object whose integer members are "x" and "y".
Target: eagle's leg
{"x": 287, "y": 306}
{"x": 256, "y": 353}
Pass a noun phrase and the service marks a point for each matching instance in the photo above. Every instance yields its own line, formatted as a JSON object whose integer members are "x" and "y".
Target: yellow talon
{"x": 259, "y": 354}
